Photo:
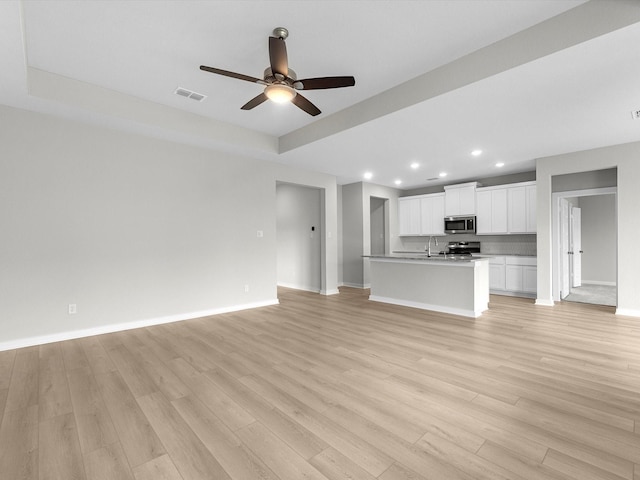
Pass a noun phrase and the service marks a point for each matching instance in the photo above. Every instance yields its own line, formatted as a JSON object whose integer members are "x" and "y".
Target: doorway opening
{"x": 585, "y": 246}
{"x": 299, "y": 237}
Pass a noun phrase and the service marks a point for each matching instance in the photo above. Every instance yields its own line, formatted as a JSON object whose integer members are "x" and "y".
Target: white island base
{"x": 456, "y": 287}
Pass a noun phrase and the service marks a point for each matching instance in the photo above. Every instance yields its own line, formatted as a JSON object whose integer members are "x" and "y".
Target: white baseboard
{"x": 119, "y": 327}
{"x": 330, "y": 292}
{"x": 355, "y": 285}
{"x": 508, "y": 293}
{"x": 544, "y": 302}
{"x": 426, "y": 306}
{"x": 295, "y": 286}
{"x": 598, "y": 282}
{"x": 628, "y": 312}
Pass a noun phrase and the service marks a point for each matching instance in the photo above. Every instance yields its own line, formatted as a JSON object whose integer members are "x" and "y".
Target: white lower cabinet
{"x": 530, "y": 279}
{"x": 496, "y": 273}
{"x": 513, "y": 278}
{"x": 513, "y": 275}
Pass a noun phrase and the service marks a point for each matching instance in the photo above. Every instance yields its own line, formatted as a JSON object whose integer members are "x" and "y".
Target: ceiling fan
{"x": 281, "y": 83}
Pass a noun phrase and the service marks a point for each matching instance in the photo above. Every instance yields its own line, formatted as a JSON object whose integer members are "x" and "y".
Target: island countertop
{"x": 423, "y": 257}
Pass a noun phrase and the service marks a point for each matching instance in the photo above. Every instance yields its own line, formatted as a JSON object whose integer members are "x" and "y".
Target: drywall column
{"x": 353, "y": 235}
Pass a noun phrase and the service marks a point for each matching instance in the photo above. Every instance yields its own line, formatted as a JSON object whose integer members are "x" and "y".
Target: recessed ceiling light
{"x": 368, "y": 175}
{"x": 476, "y": 153}
{"x": 415, "y": 165}
{"x": 398, "y": 182}
{"x": 443, "y": 174}
{"x": 500, "y": 164}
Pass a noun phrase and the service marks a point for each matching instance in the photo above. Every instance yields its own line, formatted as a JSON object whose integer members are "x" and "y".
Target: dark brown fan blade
{"x": 227, "y": 73}
{"x": 278, "y": 56}
{"x": 324, "y": 82}
{"x": 254, "y": 102}
{"x": 304, "y": 104}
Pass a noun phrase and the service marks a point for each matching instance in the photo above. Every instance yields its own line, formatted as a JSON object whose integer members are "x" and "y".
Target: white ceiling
{"x": 117, "y": 63}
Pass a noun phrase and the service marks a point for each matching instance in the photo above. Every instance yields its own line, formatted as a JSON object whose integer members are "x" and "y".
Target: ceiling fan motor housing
{"x": 269, "y": 77}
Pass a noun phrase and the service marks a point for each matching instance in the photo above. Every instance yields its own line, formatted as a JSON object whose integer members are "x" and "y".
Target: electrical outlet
{"x": 260, "y": 234}
{"x": 246, "y": 288}
{"x": 73, "y": 309}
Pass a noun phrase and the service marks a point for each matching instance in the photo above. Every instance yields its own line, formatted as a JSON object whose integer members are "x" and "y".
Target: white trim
{"x": 427, "y": 306}
{"x": 330, "y": 292}
{"x": 628, "y": 312}
{"x": 119, "y": 327}
{"x": 295, "y": 286}
{"x": 598, "y": 282}
{"x": 355, "y": 285}
{"x": 510, "y": 293}
{"x": 544, "y": 302}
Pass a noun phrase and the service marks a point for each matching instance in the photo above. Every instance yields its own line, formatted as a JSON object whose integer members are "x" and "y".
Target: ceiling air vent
{"x": 183, "y": 92}
{"x": 432, "y": 179}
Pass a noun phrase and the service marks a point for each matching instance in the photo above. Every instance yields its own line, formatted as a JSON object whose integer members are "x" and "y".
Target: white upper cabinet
{"x": 506, "y": 209}
{"x": 491, "y": 211}
{"x": 499, "y": 210}
{"x": 517, "y": 209}
{"x": 532, "y": 219}
{"x": 421, "y": 215}
{"x": 460, "y": 199}
{"x": 522, "y": 208}
{"x": 432, "y": 214}
{"x": 409, "y": 216}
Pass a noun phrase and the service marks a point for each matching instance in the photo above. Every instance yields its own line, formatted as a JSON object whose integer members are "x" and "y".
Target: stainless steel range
{"x": 463, "y": 248}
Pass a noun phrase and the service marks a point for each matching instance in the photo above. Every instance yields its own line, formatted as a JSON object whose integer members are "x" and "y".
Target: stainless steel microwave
{"x": 466, "y": 224}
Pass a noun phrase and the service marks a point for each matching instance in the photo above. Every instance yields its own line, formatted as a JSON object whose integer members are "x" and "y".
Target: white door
{"x": 576, "y": 247}
{"x": 564, "y": 241}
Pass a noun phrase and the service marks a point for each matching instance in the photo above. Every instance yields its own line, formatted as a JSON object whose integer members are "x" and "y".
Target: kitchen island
{"x": 449, "y": 285}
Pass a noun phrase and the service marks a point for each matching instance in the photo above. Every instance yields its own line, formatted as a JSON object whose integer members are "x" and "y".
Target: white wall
{"x": 133, "y": 230}
{"x": 340, "y": 239}
{"x": 626, "y": 158}
{"x": 298, "y": 211}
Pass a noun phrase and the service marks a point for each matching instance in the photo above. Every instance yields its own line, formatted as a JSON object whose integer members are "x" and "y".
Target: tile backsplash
{"x": 489, "y": 244}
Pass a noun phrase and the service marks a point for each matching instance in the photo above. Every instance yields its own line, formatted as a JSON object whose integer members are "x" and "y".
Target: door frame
{"x": 575, "y": 217}
{"x": 556, "y": 240}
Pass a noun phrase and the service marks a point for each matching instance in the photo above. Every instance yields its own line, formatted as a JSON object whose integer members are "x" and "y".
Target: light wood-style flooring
{"x": 332, "y": 388}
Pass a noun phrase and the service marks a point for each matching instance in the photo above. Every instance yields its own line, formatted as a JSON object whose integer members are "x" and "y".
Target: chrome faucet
{"x": 428, "y": 246}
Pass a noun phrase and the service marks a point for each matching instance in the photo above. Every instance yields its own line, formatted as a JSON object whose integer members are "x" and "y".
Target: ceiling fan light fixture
{"x": 279, "y": 93}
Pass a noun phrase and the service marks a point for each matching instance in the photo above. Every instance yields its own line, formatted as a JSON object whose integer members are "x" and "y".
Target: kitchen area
{"x": 456, "y": 247}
